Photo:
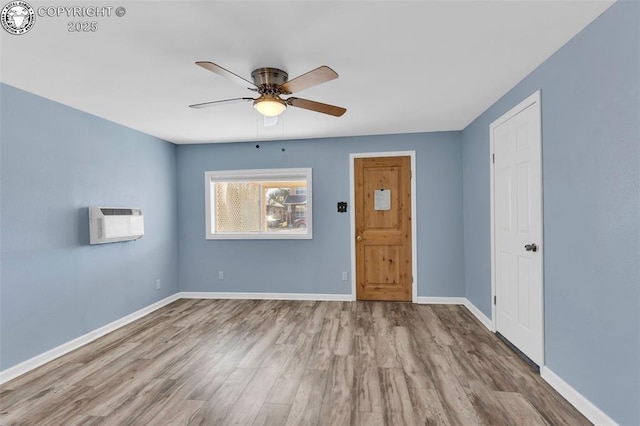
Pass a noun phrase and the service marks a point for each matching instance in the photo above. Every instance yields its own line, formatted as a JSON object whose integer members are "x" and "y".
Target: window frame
{"x": 256, "y": 175}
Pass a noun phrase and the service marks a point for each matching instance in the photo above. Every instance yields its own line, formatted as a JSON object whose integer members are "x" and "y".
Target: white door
{"x": 517, "y": 227}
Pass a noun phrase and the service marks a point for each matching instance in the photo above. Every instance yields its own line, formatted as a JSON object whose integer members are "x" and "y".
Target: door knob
{"x": 531, "y": 247}
{"x": 359, "y": 238}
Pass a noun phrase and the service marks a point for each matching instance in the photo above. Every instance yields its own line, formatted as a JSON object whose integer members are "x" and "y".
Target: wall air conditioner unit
{"x": 113, "y": 224}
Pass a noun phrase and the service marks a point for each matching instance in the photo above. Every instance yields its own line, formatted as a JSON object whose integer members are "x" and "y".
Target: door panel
{"x": 380, "y": 267}
{"x": 383, "y": 231}
{"x": 518, "y": 222}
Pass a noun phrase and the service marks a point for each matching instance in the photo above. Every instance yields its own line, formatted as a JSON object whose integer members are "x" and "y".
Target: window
{"x": 258, "y": 204}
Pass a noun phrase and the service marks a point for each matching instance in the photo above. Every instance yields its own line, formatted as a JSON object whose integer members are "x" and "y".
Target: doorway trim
{"x": 533, "y": 99}
{"x": 414, "y": 219}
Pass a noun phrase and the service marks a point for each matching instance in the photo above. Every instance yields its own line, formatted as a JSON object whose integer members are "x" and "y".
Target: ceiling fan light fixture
{"x": 269, "y": 105}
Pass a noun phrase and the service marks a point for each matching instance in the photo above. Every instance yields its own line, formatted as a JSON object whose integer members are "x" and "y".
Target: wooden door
{"x": 518, "y": 229}
{"x": 383, "y": 228}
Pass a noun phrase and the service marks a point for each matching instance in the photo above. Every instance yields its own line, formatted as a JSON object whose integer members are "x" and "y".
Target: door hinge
{"x": 494, "y": 299}
{"x": 493, "y": 158}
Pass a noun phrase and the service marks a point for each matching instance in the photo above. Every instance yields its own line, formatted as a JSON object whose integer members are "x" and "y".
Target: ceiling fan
{"x": 271, "y": 84}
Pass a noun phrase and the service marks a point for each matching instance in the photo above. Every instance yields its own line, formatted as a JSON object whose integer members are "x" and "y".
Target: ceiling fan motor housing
{"x": 269, "y": 80}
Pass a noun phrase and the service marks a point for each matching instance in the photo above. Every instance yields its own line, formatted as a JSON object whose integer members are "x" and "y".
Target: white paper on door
{"x": 382, "y": 199}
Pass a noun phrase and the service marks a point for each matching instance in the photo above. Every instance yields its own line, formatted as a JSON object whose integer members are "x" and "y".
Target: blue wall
{"x": 315, "y": 266}
{"x": 591, "y": 165}
{"x": 55, "y": 162}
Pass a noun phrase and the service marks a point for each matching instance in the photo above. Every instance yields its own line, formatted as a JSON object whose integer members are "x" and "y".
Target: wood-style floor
{"x": 209, "y": 362}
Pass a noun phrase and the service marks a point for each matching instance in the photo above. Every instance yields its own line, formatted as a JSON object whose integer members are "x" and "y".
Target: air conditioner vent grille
{"x": 116, "y": 212}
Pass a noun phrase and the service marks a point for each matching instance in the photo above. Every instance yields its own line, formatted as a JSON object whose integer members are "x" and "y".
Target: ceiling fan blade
{"x": 336, "y": 111}
{"x": 226, "y": 73}
{"x": 312, "y": 78}
{"x": 224, "y": 101}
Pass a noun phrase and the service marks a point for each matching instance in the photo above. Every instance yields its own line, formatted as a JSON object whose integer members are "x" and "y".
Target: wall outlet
{"x": 221, "y": 275}
{"x": 345, "y": 276}
{"x": 158, "y": 284}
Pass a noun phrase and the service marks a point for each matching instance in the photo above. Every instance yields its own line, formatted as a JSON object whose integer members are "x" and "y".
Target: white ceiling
{"x": 404, "y": 66}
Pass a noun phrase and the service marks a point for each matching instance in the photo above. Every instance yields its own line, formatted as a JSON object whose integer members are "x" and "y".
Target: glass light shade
{"x": 270, "y": 107}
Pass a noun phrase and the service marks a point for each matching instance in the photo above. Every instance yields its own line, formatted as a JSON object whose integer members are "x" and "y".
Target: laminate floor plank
{"x": 409, "y": 357}
{"x": 174, "y": 338}
{"x": 427, "y": 408}
{"x": 370, "y": 395}
{"x": 86, "y": 421}
{"x": 344, "y": 340}
{"x": 486, "y": 404}
{"x": 206, "y": 384}
{"x": 385, "y": 348}
{"x": 553, "y": 408}
{"x": 244, "y": 335}
{"x": 169, "y": 407}
{"x": 133, "y": 409}
{"x": 262, "y": 348}
{"x": 315, "y": 320}
{"x": 397, "y": 401}
{"x": 307, "y": 403}
{"x": 176, "y": 413}
{"x": 424, "y": 339}
{"x": 249, "y": 402}
{"x": 272, "y": 415}
{"x": 272, "y": 362}
{"x": 102, "y": 399}
{"x": 338, "y": 396}
{"x": 35, "y": 411}
{"x": 117, "y": 389}
{"x": 98, "y": 364}
{"x": 435, "y": 326}
{"x": 322, "y": 353}
{"x": 278, "y": 357}
{"x": 519, "y": 409}
{"x": 286, "y": 386}
{"x": 42, "y": 382}
{"x": 451, "y": 393}
{"x": 219, "y": 338}
{"x": 192, "y": 365}
{"x": 367, "y": 419}
{"x": 217, "y": 408}
{"x": 487, "y": 368}
{"x": 296, "y": 322}
{"x": 378, "y": 309}
{"x": 461, "y": 367}
{"x": 333, "y": 310}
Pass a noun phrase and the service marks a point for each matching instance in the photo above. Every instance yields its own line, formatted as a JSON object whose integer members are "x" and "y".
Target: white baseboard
{"x": 265, "y": 296}
{"x": 575, "y": 398}
{"x": 440, "y": 300}
{"x": 479, "y": 315}
{"x": 28, "y": 365}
